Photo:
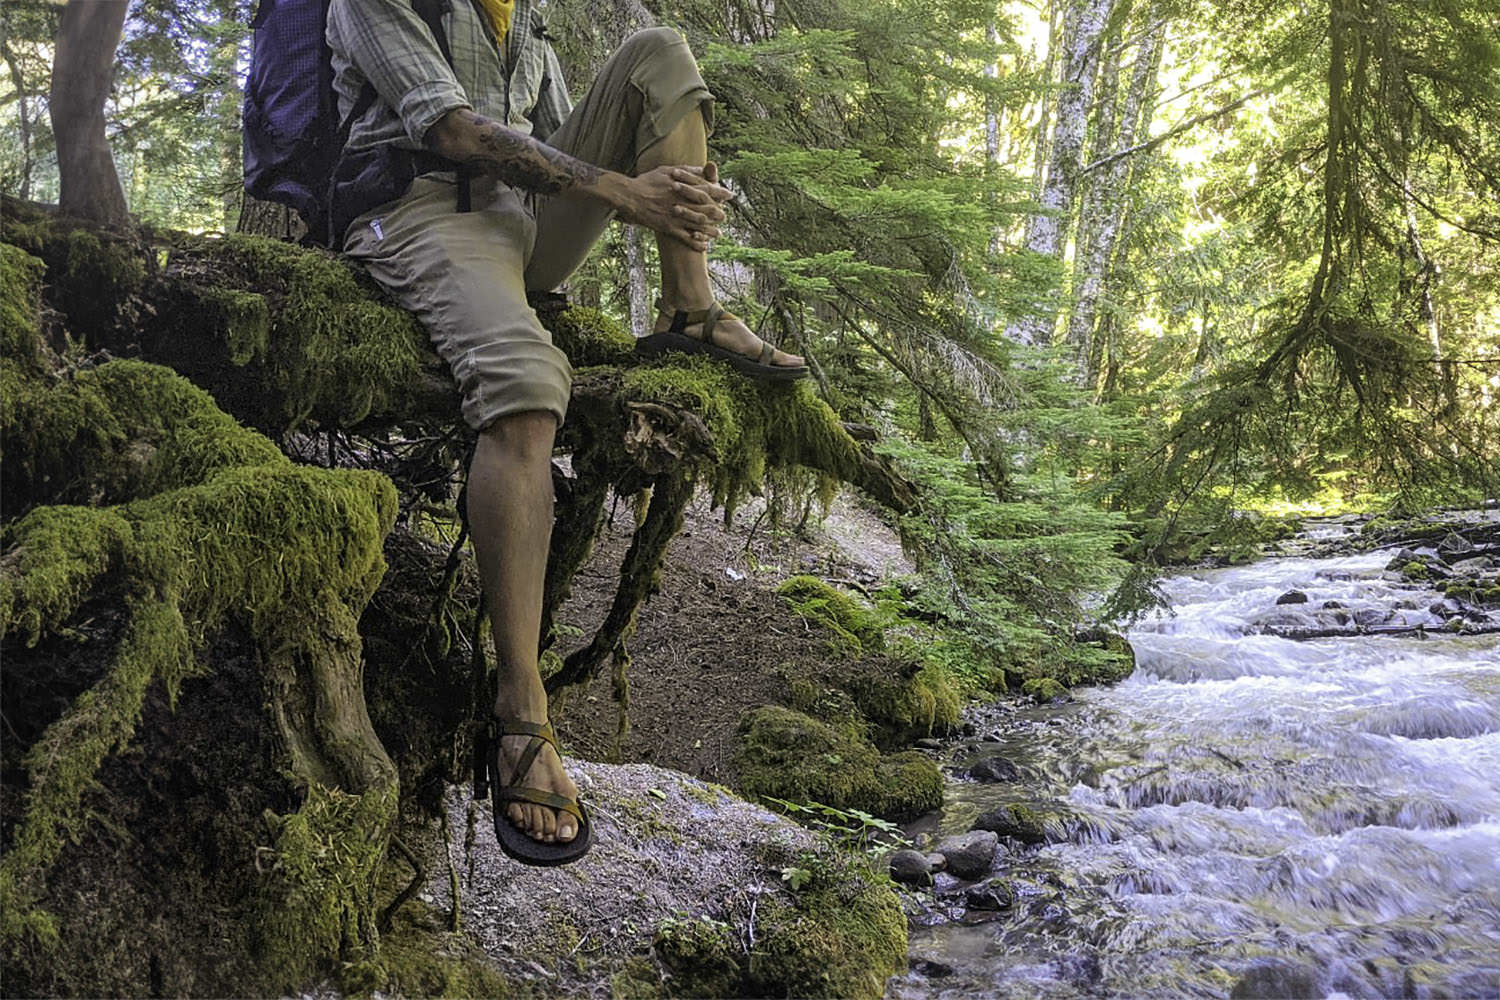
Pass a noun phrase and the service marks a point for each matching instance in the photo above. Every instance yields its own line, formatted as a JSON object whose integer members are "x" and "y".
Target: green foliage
{"x": 1005, "y": 579}
{"x": 850, "y": 829}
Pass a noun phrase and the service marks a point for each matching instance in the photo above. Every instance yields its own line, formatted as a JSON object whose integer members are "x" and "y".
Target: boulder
{"x": 1292, "y": 597}
{"x": 992, "y": 769}
{"x": 1015, "y": 822}
{"x": 990, "y": 896}
{"x": 911, "y": 868}
{"x": 1276, "y": 977}
{"x": 969, "y": 855}
{"x": 1454, "y": 545}
{"x": 680, "y": 870}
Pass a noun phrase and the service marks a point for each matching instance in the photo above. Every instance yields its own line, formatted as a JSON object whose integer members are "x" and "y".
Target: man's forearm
{"x": 516, "y": 158}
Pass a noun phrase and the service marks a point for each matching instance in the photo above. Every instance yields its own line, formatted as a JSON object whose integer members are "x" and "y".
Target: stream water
{"x": 1246, "y": 814}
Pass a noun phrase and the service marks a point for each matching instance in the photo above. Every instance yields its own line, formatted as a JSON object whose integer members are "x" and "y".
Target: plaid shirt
{"x": 386, "y": 43}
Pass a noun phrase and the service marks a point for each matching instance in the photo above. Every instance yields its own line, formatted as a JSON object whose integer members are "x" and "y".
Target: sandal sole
{"x": 656, "y": 344}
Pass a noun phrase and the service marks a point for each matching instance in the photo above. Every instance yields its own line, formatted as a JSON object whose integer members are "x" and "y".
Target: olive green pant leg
{"x": 640, "y": 95}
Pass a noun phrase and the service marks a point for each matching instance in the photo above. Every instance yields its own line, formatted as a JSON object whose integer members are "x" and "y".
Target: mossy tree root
{"x": 202, "y": 526}
{"x": 670, "y": 493}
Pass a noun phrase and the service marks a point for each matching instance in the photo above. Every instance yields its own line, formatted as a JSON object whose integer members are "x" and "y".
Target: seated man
{"x": 462, "y": 247}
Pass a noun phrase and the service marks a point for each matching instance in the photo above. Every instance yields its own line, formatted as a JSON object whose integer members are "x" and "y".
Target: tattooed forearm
{"x": 517, "y": 159}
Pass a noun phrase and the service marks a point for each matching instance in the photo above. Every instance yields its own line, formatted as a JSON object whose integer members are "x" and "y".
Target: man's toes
{"x": 546, "y": 825}
{"x": 567, "y": 827}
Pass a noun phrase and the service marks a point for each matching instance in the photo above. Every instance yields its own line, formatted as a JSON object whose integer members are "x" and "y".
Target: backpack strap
{"x": 431, "y": 12}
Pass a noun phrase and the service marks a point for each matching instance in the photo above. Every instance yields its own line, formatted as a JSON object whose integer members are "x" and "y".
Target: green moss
{"x": 66, "y": 550}
{"x": 842, "y": 935}
{"x": 107, "y": 269}
{"x": 120, "y": 430}
{"x": 787, "y": 755}
{"x": 856, "y": 630}
{"x": 320, "y": 898}
{"x": 754, "y": 425}
{"x": 705, "y": 957}
{"x": 912, "y": 707}
{"x": 334, "y": 352}
{"x": 588, "y": 337}
{"x": 1416, "y": 569}
{"x": 20, "y": 295}
{"x": 260, "y": 542}
{"x": 244, "y": 318}
{"x": 1043, "y": 689}
{"x": 418, "y": 957}
{"x": 638, "y": 980}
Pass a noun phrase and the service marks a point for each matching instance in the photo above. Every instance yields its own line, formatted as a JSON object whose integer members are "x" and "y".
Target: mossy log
{"x": 287, "y": 339}
{"x": 209, "y": 748}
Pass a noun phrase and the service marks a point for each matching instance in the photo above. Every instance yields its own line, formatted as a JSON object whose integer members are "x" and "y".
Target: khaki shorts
{"x": 466, "y": 274}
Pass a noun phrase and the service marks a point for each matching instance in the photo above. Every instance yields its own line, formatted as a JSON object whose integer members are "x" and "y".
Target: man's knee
{"x": 657, "y": 43}
{"x": 528, "y": 432}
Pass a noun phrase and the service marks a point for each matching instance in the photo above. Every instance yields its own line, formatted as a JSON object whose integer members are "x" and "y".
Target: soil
{"x": 716, "y": 640}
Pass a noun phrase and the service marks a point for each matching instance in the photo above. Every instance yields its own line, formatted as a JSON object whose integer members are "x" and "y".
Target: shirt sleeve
{"x": 552, "y": 103}
{"x": 390, "y": 44}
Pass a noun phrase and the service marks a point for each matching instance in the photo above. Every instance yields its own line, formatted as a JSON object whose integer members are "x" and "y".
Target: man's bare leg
{"x": 684, "y": 270}
{"x": 510, "y": 516}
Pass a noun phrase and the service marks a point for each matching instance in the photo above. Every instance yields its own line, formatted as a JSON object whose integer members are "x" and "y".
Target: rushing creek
{"x": 1246, "y": 814}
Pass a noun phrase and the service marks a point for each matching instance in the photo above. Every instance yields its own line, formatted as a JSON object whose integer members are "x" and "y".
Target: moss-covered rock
{"x": 787, "y": 755}
{"x": 840, "y": 934}
{"x": 1044, "y": 689}
{"x": 913, "y": 704}
{"x": 855, "y": 630}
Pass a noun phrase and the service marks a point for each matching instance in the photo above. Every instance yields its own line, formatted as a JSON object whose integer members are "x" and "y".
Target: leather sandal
{"x": 676, "y": 338}
{"x": 513, "y": 840}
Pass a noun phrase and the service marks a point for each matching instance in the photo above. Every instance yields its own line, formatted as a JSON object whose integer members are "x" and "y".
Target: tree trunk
{"x": 267, "y": 218}
{"x": 23, "y": 110}
{"x": 1140, "y": 108}
{"x": 1085, "y": 24}
{"x": 1094, "y": 206}
{"x": 1102, "y": 220}
{"x": 635, "y": 265}
{"x": 81, "y": 75}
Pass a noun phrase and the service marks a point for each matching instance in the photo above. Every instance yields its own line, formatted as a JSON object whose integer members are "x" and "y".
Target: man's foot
{"x": 728, "y": 332}
{"x": 545, "y": 774}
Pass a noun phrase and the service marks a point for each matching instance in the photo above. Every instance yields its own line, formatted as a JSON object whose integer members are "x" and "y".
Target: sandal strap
{"x": 541, "y": 733}
{"x": 708, "y": 316}
{"x": 536, "y": 796}
{"x": 520, "y": 727}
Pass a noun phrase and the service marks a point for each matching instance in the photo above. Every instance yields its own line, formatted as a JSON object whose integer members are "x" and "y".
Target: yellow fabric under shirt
{"x": 500, "y": 12}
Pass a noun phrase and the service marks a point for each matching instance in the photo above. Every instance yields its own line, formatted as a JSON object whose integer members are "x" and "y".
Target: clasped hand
{"x": 685, "y": 203}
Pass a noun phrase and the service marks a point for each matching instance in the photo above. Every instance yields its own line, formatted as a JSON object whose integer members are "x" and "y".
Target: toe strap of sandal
{"x": 535, "y": 796}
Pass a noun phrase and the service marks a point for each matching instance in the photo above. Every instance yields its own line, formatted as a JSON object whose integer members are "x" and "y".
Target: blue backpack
{"x": 293, "y": 135}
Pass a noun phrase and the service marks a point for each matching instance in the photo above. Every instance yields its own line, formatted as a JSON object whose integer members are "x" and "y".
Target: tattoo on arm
{"x": 520, "y": 160}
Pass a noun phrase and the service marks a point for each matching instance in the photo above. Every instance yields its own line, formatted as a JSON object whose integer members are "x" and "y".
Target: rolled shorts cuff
{"x": 504, "y": 379}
